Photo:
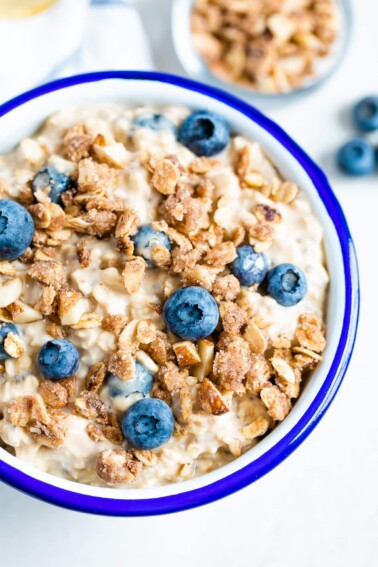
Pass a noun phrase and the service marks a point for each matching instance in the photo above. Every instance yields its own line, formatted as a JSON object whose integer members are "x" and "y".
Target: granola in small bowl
{"x": 167, "y": 306}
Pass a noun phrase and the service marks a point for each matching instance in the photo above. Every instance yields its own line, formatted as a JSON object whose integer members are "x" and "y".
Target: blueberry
{"x": 141, "y": 383}
{"x": 146, "y": 239}
{"x": 5, "y": 329}
{"x": 58, "y": 359}
{"x": 148, "y": 424}
{"x": 365, "y": 113}
{"x": 204, "y": 133}
{"x": 249, "y": 267}
{"x": 287, "y": 284}
{"x": 191, "y": 313}
{"x": 156, "y": 122}
{"x": 357, "y": 157}
{"x": 16, "y": 230}
{"x": 51, "y": 178}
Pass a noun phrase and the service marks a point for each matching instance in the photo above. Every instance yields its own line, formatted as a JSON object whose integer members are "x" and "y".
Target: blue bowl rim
{"x": 281, "y": 450}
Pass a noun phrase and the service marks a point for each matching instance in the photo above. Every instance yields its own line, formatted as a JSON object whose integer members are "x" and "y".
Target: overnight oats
{"x": 162, "y": 299}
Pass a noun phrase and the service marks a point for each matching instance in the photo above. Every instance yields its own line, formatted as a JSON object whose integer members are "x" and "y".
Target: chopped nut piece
{"x": 13, "y": 345}
{"x": 254, "y": 179}
{"x": 22, "y": 313}
{"x": 182, "y": 404}
{"x": 71, "y": 306}
{"x": 277, "y": 404}
{"x": 256, "y": 429}
{"x": 255, "y": 338}
{"x": 210, "y": 399}
{"x": 116, "y": 466}
{"x": 160, "y": 350}
{"x": 95, "y": 377}
{"x": 49, "y": 273}
{"x": 221, "y": 255}
{"x": 206, "y": 354}
{"x": 285, "y": 192}
{"x": 10, "y": 291}
{"x": 309, "y": 333}
{"x": 133, "y": 273}
{"x": 283, "y": 369}
{"x": 122, "y": 364}
{"x": 263, "y": 232}
{"x": 88, "y": 321}
{"x": 45, "y": 302}
{"x": 7, "y": 269}
{"x": 199, "y": 275}
{"x": 53, "y": 394}
{"x": 186, "y": 353}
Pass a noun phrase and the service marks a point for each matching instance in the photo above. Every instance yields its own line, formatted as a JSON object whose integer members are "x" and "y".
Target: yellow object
{"x": 23, "y": 8}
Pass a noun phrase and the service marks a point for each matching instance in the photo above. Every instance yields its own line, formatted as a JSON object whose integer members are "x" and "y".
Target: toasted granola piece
{"x": 49, "y": 273}
{"x": 199, "y": 275}
{"x": 276, "y": 402}
{"x": 160, "y": 393}
{"x": 114, "y": 323}
{"x": 41, "y": 215}
{"x": 233, "y": 317}
{"x": 186, "y": 353}
{"x": 244, "y": 162}
{"x": 146, "y": 457}
{"x": 210, "y": 399}
{"x": 89, "y": 405}
{"x": 45, "y": 304}
{"x": 146, "y": 331}
{"x": 204, "y": 165}
{"x": 95, "y": 433}
{"x": 263, "y": 231}
{"x": 161, "y": 256}
{"x": 88, "y": 321}
{"x": 280, "y": 342}
{"x": 53, "y": 394}
{"x": 221, "y": 255}
{"x": 186, "y": 212}
{"x": 182, "y": 405}
{"x": 161, "y": 350}
{"x": 309, "y": 333}
{"x": 184, "y": 259}
{"x": 57, "y": 331}
{"x": 258, "y": 375}
{"x": 122, "y": 364}
{"x": 7, "y": 269}
{"x": 166, "y": 176}
{"x": 19, "y": 410}
{"x": 116, "y": 466}
{"x": 95, "y": 377}
{"x": 102, "y": 223}
{"x": 255, "y": 338}
{"x": 232, "y": 364}
{"x": 265, "y": 213}
{"x": 171, "y": 377}
{"x": 257, "y": 428}
{"x": 283, "y": 368}
{"x": 226, "y": 288}
{"x": 127, "y": 224}
{"x": 83, "y": 254}
{"x": 76, "y": 143}
{"x": 133, "y": 273}
{"x": 94, "y": 178}
{"x": 49, "y": 435}
{"x": 102, "y": 203}
{"x": 71, "y": 306}
{"x": 113, "y": 434}
{"x": 13, "y": 345}
{"x": 70, "y": 384}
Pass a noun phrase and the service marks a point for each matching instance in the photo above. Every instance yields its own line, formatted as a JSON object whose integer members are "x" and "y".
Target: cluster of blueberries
{"x": 191, "y": 313}
{"x": 359, "y": 156}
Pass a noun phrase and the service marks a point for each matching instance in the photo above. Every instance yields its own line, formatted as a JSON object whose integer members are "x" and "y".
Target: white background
{"x": 318, "y": 508}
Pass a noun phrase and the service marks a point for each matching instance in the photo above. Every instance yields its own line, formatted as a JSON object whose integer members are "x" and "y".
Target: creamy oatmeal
{"x": 90, "y": 278}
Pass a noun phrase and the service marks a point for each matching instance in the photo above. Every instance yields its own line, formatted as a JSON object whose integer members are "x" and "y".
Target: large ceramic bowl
{"x": 22, "y": 115}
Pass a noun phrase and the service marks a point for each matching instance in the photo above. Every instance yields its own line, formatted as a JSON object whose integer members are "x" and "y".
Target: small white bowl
{"x": 22, "y": 115}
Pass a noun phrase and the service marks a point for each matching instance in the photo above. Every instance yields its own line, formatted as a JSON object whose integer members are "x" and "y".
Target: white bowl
{"x": 22, "y": 115}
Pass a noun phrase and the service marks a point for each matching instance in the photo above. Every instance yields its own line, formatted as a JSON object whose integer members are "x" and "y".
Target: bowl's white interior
{"x": 25, "y": 120}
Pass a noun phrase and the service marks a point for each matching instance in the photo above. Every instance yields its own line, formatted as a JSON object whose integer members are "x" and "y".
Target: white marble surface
{"x": 317, "y": 509}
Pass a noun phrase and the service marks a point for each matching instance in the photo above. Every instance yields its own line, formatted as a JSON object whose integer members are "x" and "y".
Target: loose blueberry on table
{"x": 148, "y": 424}
{"x": 58, "y": 359}
{"x": 287, "y": 284}
{"x": 205, "y": 133}
{"x": 146, "y": 239}
{"x": 191, "y": 313}
{"x": 357, "y": 157}
{"x": 54, "y": 181}
{"x": 140, "y": 384}
{"x": 16, "y": 230}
